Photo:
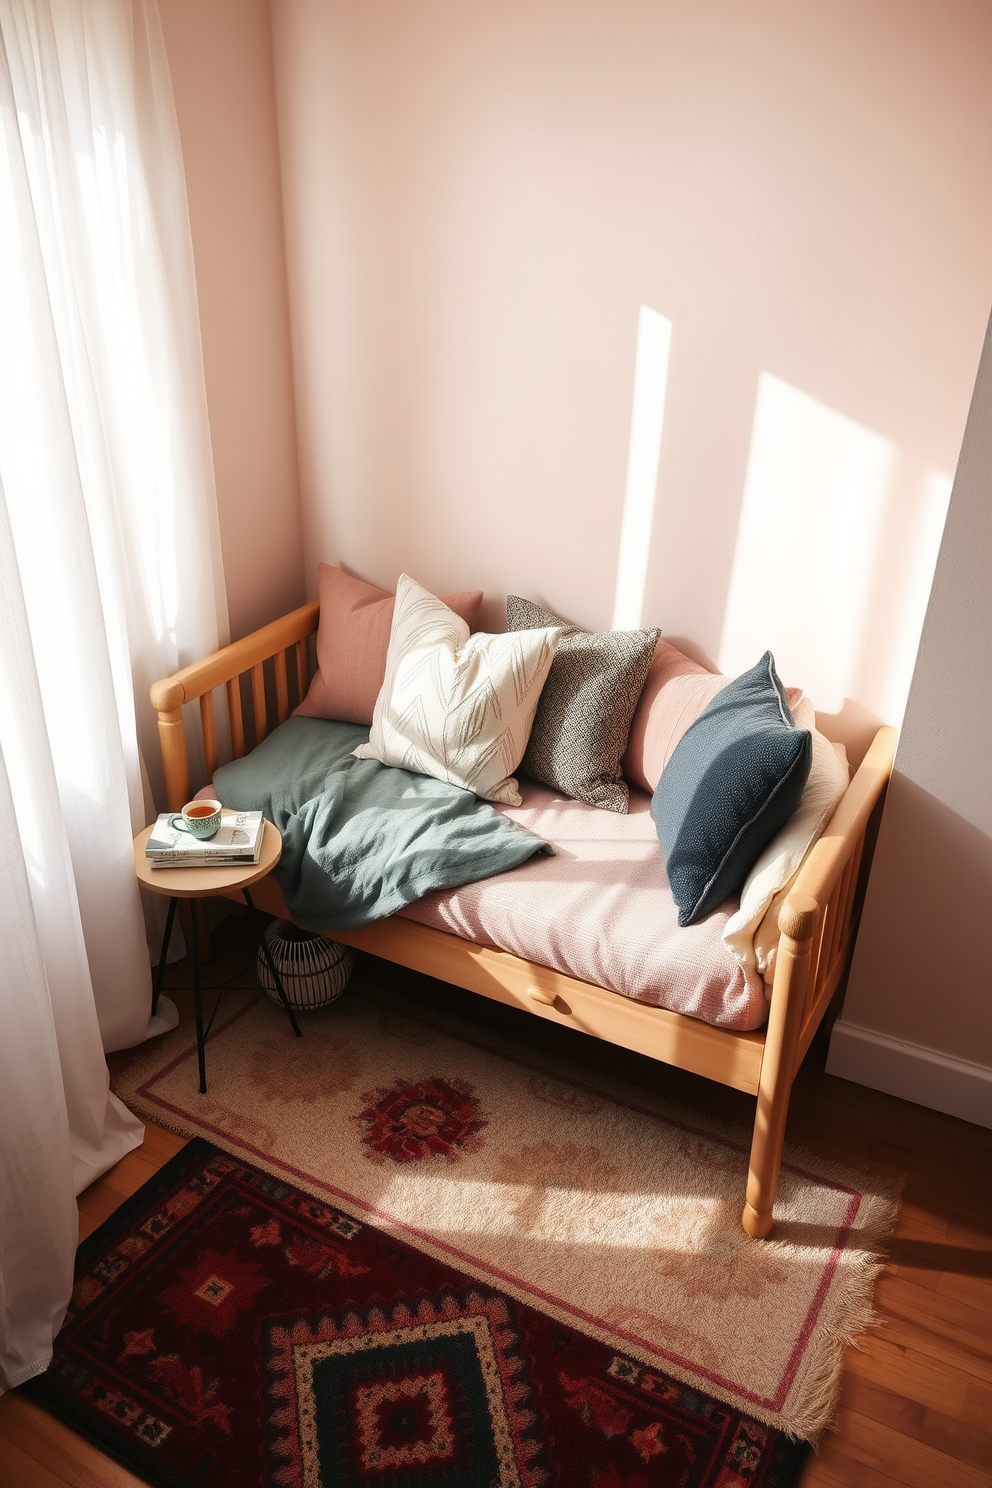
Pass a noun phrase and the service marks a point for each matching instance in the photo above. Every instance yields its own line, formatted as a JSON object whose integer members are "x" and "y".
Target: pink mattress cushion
{"x": 352, "y": 642}
{"x": 601, "y": 910}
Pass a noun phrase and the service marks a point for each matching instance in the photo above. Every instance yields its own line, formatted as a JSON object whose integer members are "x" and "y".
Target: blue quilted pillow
{"x": 734, "y": 780}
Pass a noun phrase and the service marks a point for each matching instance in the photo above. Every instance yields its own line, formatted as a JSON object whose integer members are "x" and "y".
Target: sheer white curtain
{"x": 110, "y": 576}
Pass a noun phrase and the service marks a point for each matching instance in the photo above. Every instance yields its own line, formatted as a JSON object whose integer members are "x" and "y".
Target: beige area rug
{"x": 601, "y": 1206}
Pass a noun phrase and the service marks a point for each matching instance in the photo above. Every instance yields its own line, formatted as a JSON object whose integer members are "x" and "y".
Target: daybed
{"x": 263, "y": 675}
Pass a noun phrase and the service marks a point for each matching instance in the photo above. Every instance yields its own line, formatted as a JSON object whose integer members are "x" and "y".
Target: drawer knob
{"x": 548, "y": 1000}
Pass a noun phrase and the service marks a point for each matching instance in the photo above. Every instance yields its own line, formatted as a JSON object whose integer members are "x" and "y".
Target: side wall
{"x": 918, "y": 1014}
{"x": 220, "y": 57}
{"x": 490, "y": 208}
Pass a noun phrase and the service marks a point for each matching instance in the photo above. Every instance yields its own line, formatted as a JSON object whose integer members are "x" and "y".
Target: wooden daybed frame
{"x": 817, "y": 923}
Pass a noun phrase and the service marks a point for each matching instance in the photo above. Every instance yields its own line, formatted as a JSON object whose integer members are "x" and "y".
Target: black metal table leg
{"x": 194, "y": 925}
{"x": 160, "y": 968}
{"x": 256, "y": 921}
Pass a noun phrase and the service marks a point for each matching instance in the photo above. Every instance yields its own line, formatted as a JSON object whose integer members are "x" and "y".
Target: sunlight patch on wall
{"x": 654, "y": 343}
{"x": 816, "y": 498}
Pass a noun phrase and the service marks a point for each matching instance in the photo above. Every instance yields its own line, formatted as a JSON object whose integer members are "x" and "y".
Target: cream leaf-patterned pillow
{"x": 454, "y": 705}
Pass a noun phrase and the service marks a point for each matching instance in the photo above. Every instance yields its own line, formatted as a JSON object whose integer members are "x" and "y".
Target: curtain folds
{"x": 110, "y": 576}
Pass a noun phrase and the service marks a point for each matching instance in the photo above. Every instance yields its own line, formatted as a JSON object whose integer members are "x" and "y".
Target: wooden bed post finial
{"x": 167, "y": 698}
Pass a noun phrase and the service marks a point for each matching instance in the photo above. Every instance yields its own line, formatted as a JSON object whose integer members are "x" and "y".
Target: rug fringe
{"x": 851, "y": 1297}
{"x": 810, "y": 1407}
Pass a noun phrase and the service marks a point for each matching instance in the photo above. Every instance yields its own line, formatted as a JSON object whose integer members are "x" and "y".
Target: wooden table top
{"x": 196, "y": 883}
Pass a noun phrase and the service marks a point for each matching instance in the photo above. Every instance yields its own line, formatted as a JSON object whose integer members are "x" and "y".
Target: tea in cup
{"x": 200, "y": 818}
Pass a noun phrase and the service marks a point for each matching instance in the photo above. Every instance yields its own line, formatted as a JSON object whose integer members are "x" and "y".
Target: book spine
{"x": 173, "y": 859}
{"x": 188, "y": 862}
{"x": 180, "y": 854}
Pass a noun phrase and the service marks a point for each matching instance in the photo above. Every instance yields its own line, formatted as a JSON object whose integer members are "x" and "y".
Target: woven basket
{"x": 313, "y": 971}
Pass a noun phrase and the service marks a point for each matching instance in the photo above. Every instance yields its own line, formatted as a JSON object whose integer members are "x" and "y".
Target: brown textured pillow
{"x": 352, "y": 642}
{"x": 580, "y": 732}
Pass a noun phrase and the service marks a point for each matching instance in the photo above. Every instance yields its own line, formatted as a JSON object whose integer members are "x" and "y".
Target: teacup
{"x": 199, "y": 818}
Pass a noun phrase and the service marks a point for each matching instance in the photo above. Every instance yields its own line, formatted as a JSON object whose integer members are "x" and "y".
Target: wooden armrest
{"x": 230, "y": 661}
{"x": 225, "y": 668}
{"x": 819, "y": 874}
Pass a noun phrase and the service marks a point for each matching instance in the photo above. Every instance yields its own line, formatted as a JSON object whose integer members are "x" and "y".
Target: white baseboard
{"x": 954, "y": 1086}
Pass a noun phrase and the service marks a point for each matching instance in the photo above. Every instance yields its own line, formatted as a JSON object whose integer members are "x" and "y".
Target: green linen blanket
{"x": 360, "y": 839}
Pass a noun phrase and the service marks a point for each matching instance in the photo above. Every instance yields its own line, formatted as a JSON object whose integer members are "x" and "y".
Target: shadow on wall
{"x": 931, "y": 884}
{"x": 853, "y": 725}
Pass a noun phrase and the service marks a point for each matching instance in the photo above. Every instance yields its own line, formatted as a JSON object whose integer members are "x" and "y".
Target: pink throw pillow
{"x": 676, "y": 692}
{"x": 352, "y": 641}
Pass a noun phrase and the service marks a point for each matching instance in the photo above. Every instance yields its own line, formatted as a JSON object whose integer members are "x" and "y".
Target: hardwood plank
{"x": 977, "y": 1234}
{"x": 911, "y": 1462}
{"x": 923, "y": 1276}
{"x": 941, "y": 1257}
{"x": 109, "y": 1475}
{"x": 130, "y": 1173}
{"x": 972, "y": 1291}
{"x": 917, "y": 1420}
{"x": 99, "y": 1201}
{"x": 86, "y": 1227}
{"x": 910, "y": 1380}
{"x": 948, "y": 1318}
{"x": 965, "y": 1442}
{"x": 118, "y": 1184}
{"x": 940, "y": 1351}
{"x": 912, "y": 1376}
{"x": 46, "y": 1439}
{"x": 918, "y": 1223}
{"x": 160, "y": 1144}
{"x": 832, "y": 1469}
{"x": 56, "y": 1447}
{"x": 977, "y": 1405}
{"x": 21, "y": 1469}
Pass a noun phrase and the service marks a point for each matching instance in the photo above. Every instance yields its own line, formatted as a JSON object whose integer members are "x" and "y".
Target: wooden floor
{"x": 916, "y": 1406}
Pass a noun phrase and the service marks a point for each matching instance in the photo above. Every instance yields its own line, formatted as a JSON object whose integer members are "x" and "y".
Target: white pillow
{"x": 781, "y": 860}
{"x": 454, "y": 705}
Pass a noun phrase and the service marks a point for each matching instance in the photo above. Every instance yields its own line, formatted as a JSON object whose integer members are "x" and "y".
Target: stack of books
{"x": 236, "y": 843}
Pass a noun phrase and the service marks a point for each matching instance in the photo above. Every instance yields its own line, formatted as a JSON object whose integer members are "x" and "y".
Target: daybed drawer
{"x": 720, "y": 1054}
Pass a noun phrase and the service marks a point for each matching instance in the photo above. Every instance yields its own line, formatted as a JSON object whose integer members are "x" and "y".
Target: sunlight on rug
{"x": 228, "y": 1328}
{"x": 612, "y": 1213}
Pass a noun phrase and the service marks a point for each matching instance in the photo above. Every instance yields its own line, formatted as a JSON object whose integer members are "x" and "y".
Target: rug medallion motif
{"x": 579, "y": 1195}
{"x": 226, "y": 1328}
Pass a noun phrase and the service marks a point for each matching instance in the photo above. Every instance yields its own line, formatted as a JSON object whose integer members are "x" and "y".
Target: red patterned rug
{"x": 578, "y": 1192}
{"x": 227, "y": 1328}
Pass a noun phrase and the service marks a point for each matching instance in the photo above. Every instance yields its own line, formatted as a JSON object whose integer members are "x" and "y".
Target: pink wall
{"x": 479, "y": 203}
{"x": 918, "y": 1013}
{"x": 220, "y": 56}
{"x": 479, "y": 199}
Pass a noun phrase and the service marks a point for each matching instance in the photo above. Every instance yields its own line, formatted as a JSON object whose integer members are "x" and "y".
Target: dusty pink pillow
{"x": 352, "y": 641}
{"x": 676, "y": 692}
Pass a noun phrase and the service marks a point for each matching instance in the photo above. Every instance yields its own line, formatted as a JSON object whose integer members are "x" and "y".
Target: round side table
{"x": 195, "y": 884}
